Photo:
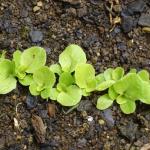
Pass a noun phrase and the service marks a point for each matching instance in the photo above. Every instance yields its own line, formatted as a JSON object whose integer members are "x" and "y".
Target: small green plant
{"x": 127, "y": 90}
{"x": 42, "y": 83}
{"x": 28, "y": 61}
{"x": 70, "y": 79}
{"x": 67, "y": 93}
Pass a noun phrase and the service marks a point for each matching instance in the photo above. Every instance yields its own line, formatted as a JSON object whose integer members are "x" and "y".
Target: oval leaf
{"x": 44, "y": 77}
{"x": 117, "y": 73}
{"x": 55, "y": 68}
{"x": 32, "y": 59}
{"x": 105, "y": 85}
{"x": 108, "y": 74}
{"x": 70, "y": 57}
{"x": 104, "y": 102}
{"x": 27, "y": 80}
{"x": 144, "y": 75}
{"x": 128, "y": 107}
{"x": 7, "y": 85}
{"x": 54, "y": 94}
{"x": 121, "y": 99}
{"x": 71, "y": 97}
{"x": 85, "y": 76}
{"x": 33, "y": 89}
{"x": 7, "y": 69}
{"x": 112, "y": 94}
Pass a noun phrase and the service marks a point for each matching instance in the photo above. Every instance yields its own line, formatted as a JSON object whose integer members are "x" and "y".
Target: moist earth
{"x": 30, "y": 123}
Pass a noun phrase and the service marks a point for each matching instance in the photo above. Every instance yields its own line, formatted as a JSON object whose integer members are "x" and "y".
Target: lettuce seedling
{"x": 70, "y": 57}
{"x": 85, "y": 77}
{"x": 131, "y": 87}
{"x": 29, "y": 61}
{"x": 7, "y": 79}
{"x": 43, "y": 80}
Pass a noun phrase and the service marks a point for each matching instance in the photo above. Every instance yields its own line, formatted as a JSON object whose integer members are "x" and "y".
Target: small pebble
{"x": 101, "y": 121}
{"x": 36, "y": 8}
{"x": 39, "y": 4}
{"x": 90, "y": 118}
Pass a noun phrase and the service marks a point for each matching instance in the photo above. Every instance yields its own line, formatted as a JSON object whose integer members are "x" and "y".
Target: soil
{"x": 29, "y": 123}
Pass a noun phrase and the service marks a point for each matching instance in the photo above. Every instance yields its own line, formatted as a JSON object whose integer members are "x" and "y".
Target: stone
{"x": 127, "y": 23}
{"x": 107, "y": 115}
{"x": 129, "y": 130}
{"x": 82, "y": 12}
{"x": 144, "y": 20}
{"x": 31, "y": 102}
{"x": 84, "y": 105}
{"x": 136, "y": 6}
{"x": 36, "y": 8}
{"x": 36, "y": 36}
{"x": 81, "y": 142}
{"x": 39, "y": 4}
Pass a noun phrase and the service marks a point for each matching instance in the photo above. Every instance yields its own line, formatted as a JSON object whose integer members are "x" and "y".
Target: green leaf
{"x": 45, "y": 93}
{"x": 44, "y": 78}
{"x": 105, "y": 85}
{"x": 32, "y": 59}
{"x": 91, "y": 85}
{"x": 54, "y": 94}
{"x": 108, "y": 74}
{"x": 27, "y": 80}
{"x": 70, "y": 57}
{"x": 7, "y": 69}
{"x": 112, "y": 94}
{"x": 17, "y": 58}
{"x": 7, "y": 85}
{"x": 33, "y": 89}
{"x": 100, "y": 78}
{"x": 128, "y": 107}
{"x": 117, "y": 73}
{"x": 121, "y": 99}
{"x": 66, "y": 79}
{"x": 144, "y": 75}
{"x": 71, "y": 97}
{"x": 21, "y": 75}
{"x": 56, "y": 68}
{"x": 85, "y": 77}
{"x": 104, "y": 102}
{"x": 144, "y": 94}
{"x": 129, "y": 83}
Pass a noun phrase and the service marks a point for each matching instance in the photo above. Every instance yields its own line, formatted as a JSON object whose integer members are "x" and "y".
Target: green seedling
{"x": 43, "y": 81}
{"x": 74, "y": 79}
{"x": 28, "y": 61}
{"x": 132, "y": 87}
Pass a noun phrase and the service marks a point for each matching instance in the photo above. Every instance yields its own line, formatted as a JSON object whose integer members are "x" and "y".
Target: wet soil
{"x": 29, "y": 123}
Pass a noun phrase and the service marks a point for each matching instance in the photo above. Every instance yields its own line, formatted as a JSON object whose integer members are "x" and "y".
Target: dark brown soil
{"x": 58, "y": 23}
